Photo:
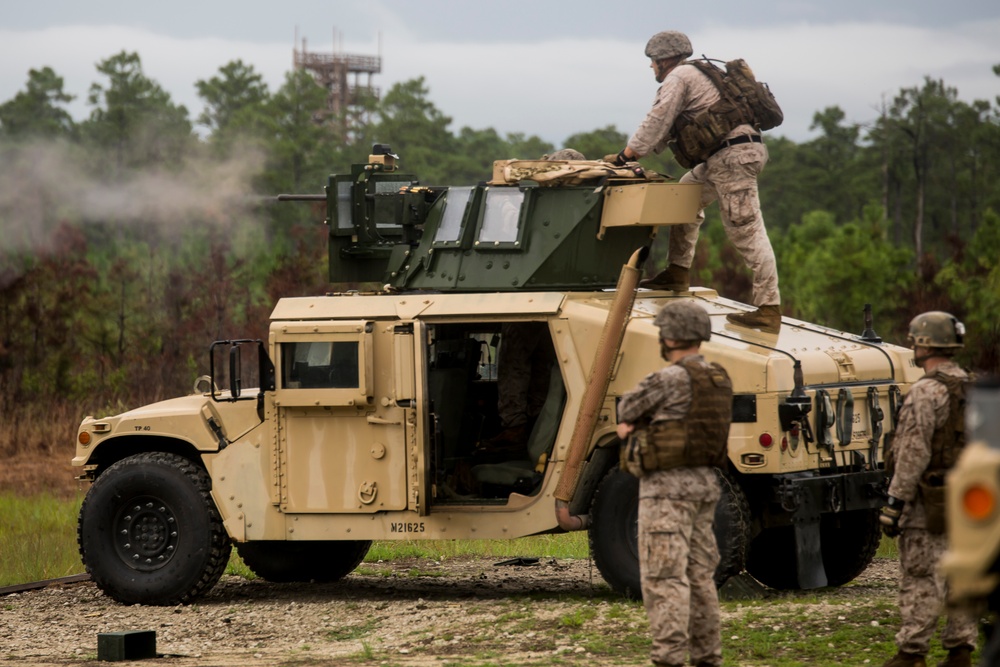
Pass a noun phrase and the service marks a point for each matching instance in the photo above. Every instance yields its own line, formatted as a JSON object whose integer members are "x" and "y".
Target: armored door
{"x": 338, "y": 448}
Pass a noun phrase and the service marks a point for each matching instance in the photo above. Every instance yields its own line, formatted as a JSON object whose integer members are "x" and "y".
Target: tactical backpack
{"x": 743, "y": 99}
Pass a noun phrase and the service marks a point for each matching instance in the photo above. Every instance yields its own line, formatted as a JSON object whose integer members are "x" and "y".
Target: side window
{"x": 501, "y": 217}
{"x": 451, "y": 223}
{"x": 324, "y": 363}
{"x": 320, "y": 365}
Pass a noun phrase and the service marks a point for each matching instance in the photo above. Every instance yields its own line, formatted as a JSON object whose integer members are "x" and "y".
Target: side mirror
{"x": 263, "y": 371}
{"x": 235, "y": 377}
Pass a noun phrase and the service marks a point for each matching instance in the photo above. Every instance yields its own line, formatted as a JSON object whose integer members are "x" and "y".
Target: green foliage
{"x": 972, "y": 280}
{"x": 134, "y": 118}
{"x": 298, "y": 144}
{"x": 238, "y": 87}
{"x": 38, "y": 111}
{"x": 598, "y": 143}
{"x": 418, "y": 132}
{"x": 830, "y": 271}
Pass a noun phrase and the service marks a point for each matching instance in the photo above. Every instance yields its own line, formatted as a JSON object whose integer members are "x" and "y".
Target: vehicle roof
{"x": 827, "y": 355}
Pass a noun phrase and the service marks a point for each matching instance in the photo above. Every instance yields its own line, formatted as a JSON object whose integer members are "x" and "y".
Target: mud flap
{"x": 808, "y": 554}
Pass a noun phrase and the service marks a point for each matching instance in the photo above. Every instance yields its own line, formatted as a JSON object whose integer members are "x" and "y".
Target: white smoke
{"x": 45, "y": 184}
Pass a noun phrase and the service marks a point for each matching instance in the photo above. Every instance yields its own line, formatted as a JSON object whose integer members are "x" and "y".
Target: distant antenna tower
{"x": 333, "y": 71}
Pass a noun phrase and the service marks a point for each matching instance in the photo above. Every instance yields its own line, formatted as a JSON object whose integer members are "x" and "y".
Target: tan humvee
{"x": 375, "y": 414}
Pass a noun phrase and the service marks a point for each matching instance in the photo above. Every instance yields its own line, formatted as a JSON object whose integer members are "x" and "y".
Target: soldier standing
{"x": 682, "y": 413}
{"x": 928, "y": 440}
{"x": 728, "y": 174}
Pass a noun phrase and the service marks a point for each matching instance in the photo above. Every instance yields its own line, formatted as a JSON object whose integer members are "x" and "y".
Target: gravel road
{"x": 418, "y": 612}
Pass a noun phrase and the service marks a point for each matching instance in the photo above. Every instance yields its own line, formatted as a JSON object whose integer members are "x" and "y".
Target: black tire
{"x": 849, "y": 541}
{"x": 283, "y": 562}
{"x": 614, "y": 531}
{"x": 771, "y": 558}
{"x": 149, "y": 532}
{"x": 732, "y": 529}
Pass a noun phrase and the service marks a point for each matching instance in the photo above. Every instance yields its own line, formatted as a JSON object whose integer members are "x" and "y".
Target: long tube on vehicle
{"x": 597, "y": 387}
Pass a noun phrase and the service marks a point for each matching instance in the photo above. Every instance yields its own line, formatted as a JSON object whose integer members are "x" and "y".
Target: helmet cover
{"x": 937, "y": 329}
{"x": 668, "y": 44}
{"x": 683, "y": 320}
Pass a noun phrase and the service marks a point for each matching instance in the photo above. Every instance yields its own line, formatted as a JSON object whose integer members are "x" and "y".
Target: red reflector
{"x": 784, "y": 444}
{"x": 765, "y": 440}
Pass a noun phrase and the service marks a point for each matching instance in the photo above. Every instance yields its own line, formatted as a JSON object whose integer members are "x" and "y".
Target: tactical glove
{"x": 619, "y": 159}
{"x": 889, "y": 516}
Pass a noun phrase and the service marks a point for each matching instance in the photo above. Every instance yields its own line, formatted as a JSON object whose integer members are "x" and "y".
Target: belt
{"x": 736, "y": 141}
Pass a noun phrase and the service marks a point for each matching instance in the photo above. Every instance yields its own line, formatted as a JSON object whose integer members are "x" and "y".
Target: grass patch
{"x": 797, "y": 634}
{"x": 887, "y": 548}
{"x": 578, "y": 617}
{"x": 349, "y": 632}
{"x": 38, "y": 538}
{"x": 38, "y": 541}
{"x": 238, "y": 568}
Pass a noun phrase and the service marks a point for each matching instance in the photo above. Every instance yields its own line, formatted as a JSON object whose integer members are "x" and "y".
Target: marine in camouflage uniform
{"x": 728, "y": 176}
{"x": 678, "y": 553}
{"x": 526, "y": 357}
{"x": 925, "y": 445}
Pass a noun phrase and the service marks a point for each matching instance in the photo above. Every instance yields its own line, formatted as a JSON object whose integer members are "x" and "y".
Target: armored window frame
{"x": 457, "y": 203}
{"x": 341, "y": 213}
{"x": 340, "y": 352}
{"x": 493, "y": 200}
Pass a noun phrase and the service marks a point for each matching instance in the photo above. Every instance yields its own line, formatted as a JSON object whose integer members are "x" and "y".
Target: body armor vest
{"x": 701, "y": 437}
{"x": 947, "y": 443}
{"x": 949, "y": 440}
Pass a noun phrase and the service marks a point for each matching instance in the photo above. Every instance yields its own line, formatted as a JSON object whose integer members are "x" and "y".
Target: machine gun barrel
{"x": 301, "y": 198}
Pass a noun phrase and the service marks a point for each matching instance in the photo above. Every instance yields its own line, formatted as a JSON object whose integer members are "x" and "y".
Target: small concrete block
{"x": 131, "y": 645}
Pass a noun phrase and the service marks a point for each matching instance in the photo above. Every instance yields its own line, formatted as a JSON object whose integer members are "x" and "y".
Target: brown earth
{"x": 42, "y": 472}
{"x": 465, "y": 611}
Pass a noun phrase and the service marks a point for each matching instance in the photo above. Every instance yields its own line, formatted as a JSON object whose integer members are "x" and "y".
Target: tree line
{"x": 132, "y": 239}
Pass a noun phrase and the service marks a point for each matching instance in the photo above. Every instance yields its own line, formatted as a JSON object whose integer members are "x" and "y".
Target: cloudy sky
{"x": 547, "y": 67}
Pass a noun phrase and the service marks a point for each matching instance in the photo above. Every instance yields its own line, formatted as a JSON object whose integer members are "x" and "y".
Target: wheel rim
{"x": 145, "y": 533}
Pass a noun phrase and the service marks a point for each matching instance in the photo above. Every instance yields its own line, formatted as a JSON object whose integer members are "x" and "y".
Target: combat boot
{"x": 960, "y": 656}
{"x": 904, "y": 659}
{"x": 765, "y": 318}
{"x": 674, "y": 278}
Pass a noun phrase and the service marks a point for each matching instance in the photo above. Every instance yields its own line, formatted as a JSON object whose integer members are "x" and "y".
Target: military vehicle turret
{"x": 374, "y": 412}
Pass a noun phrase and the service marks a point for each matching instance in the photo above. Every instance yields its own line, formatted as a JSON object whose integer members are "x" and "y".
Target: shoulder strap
{"x": 717, "y": 76}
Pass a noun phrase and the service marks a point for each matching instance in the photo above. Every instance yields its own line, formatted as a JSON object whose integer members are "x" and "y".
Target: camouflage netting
{"x": 563, "y": 172}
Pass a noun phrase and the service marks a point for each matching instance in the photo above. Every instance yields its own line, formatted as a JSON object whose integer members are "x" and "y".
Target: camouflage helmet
{"x": 936, "y": 329}
{"x": 668, "y": 44}
{"x": 565, "y": 154}
{"x": 683, "y": 320}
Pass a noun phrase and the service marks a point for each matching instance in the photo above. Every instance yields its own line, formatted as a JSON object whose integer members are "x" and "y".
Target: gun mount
{"x": 514, "y": 232}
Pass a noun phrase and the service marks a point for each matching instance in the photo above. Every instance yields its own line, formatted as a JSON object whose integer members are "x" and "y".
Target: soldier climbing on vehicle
{"x": 713, "y": 129}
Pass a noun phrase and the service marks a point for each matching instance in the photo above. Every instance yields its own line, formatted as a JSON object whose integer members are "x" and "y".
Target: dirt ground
{"x": 413, "y": 613}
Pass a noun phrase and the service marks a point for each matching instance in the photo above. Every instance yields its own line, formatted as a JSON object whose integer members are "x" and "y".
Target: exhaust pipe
{"x": 597, "y": 388}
